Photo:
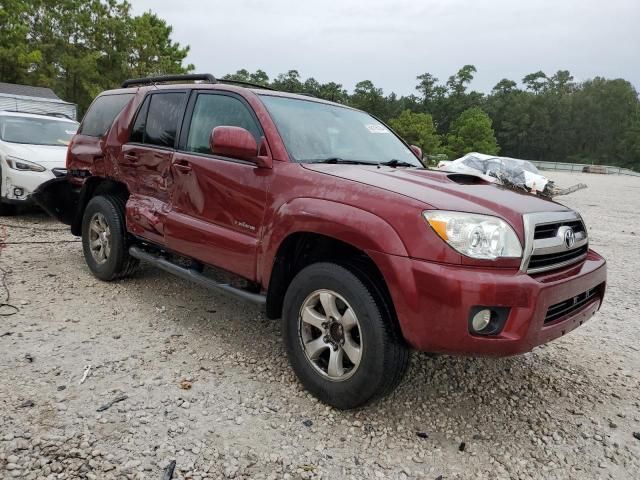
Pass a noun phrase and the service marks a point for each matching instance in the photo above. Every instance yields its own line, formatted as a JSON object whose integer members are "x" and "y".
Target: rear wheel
{"x": 104, "y": 238}
{"x": 340, "y": 339}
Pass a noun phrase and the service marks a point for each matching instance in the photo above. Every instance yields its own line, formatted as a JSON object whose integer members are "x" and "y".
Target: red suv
{"x": 331, "y": 221}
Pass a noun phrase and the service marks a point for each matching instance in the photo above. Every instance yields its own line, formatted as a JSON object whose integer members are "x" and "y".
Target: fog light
{"x": 486, "y": 321}
{"x": 18, "y": 192}
{"x": 481, "y": 320}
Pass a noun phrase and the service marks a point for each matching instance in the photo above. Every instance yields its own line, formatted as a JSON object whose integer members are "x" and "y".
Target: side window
{"x": 165, "y": 111}
{"x": 212, "y": 111}
{"x": 102, "y": 112}
{"x": 137, "y": 134}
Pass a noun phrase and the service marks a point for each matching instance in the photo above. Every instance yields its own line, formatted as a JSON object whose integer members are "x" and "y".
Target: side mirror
{"x": 417, "y": 151}
{"x": 233, "y": 142}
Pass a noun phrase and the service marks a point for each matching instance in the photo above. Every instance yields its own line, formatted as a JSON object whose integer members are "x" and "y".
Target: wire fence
{"x": 584, "y": 167}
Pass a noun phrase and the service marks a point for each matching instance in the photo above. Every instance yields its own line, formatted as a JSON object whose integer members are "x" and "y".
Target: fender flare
{"x": 352, "y": 225}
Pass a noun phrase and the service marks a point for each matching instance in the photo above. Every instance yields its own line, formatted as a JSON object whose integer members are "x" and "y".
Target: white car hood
{"x": 49, "y": 156}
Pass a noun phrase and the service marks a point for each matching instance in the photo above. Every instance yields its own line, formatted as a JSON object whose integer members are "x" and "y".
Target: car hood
{"x": 50, "y": 156}
{"x": 445, "y": 191}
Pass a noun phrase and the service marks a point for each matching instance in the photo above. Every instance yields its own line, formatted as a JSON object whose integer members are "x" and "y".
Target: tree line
{"x": 81, "y": 47}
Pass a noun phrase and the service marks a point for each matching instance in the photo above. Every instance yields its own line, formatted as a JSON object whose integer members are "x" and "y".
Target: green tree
{"x": 17, "y": 53}
{"x": 334, "y": 92}
{"x": 289, "y": 82}
{"x": 81, "y": 47}
{"x": 605, "y": 112}
{"x": 417, "y": 129}
{"x": 366, "y": 96}
{"x": 457, "y": 84}
{"x": 536, "y": 82}
{"x": 241, "y": 75}
{"x": 471, "y": 132}
{"x": 259, "y": 77}
{"x": 631, "y": 143}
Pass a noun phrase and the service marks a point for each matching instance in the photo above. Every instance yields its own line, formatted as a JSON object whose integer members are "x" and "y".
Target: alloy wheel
{"x": 330, "y": 334}
{"x": 99, "y": 238}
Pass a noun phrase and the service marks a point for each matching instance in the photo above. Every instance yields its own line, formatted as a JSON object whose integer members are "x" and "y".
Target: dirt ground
{"x": 567, "y": 410}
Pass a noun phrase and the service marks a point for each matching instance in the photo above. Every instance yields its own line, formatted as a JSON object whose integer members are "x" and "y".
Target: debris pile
{"x": 513, "y": 173}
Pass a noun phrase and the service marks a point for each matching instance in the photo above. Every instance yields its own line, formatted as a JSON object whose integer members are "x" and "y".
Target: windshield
{"x": 36, "y": 131}
{"x": 315, "y": 132}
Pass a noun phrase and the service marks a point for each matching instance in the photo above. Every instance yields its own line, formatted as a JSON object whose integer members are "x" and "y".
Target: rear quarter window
{"x": 102, "y": 113}
{"x": 164, "y": 115}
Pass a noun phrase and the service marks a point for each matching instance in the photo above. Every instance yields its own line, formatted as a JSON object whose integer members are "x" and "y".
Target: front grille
{"x": 542, "y": 261}
{"x": 571, "y": 305}
{"x": 550, "y": 230}
{"x": 553, "y": 240}
{"x": 59, "y": 172}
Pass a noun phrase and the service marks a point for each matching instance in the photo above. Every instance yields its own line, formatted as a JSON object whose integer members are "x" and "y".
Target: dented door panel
{"x": 217, "y": 206}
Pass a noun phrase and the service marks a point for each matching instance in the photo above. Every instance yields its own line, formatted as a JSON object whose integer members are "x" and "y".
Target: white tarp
{"x": 512, "y": 172}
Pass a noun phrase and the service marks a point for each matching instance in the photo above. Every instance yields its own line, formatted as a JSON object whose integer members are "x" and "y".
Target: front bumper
{"x": 17, "y": 185}
{"x": 433, "y": 302}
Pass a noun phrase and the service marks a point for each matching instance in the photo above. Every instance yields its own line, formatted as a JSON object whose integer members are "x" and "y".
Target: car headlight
{"x": 24, "y": 165}
{"x": 476, "y": 236}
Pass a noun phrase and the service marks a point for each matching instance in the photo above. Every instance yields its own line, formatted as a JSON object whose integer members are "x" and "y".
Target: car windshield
{"x": 316, "y": 132}
{"x": 36, "y": 131}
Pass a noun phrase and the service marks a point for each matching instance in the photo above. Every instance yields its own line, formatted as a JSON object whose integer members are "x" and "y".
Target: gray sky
{"x": 391, "y": 42}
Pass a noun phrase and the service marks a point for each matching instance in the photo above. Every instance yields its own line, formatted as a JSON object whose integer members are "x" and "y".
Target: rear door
{"x": 217, "y": 203}
{"x": 145, "y": 162}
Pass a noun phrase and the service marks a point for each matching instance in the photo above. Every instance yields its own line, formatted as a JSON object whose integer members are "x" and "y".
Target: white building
{"x": 28, "y": 99}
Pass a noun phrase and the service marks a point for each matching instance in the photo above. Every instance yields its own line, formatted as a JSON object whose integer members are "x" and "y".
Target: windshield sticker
{"x": 377, "y": 128}
{"x": 70, "y": 132}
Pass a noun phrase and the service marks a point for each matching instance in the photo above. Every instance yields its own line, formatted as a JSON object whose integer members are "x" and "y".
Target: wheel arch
{"x": 95, "y": 186}
{"x": 302, "y": 248}
{"x": 320, "y": 230}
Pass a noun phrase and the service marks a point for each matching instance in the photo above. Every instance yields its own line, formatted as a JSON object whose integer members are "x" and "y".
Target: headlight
{"x": 476, "y": 236}
{"x": 24, "y": 165}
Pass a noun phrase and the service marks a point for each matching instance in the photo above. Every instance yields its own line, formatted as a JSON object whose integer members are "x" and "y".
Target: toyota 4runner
{"x": 332, "y": 223}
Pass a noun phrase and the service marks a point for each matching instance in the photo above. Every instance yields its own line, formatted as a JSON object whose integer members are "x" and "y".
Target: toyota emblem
{"x": 569, "y": 238}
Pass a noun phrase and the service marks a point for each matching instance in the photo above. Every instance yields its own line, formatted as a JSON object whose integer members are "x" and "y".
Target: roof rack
{"x": 206, "y": 77}
{"x": 244, "y": 84}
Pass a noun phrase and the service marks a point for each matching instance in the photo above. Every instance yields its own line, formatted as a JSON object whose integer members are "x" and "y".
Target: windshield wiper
{"x": 397, "y": 163}
{"x": 341, "y": 160}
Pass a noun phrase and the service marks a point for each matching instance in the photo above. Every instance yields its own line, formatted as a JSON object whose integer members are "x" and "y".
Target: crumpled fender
{"x": 355, "y": 226}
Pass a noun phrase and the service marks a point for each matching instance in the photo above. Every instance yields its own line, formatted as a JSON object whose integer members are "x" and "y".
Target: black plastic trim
{"x": 206, "y": 77}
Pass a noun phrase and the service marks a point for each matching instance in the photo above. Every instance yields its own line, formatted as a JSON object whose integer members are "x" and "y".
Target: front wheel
{"x": 341, "y": 342}
{"x": 104, "y": 238}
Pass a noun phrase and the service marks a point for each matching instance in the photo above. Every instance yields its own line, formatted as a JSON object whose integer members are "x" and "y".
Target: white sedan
{"x": 33, "y": 149}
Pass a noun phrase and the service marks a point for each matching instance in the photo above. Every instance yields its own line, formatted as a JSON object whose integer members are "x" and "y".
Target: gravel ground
{"x": 566, "y": 410}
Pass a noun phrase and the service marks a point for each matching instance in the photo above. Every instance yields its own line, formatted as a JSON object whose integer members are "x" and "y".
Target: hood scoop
{"x": 464, "y": 179}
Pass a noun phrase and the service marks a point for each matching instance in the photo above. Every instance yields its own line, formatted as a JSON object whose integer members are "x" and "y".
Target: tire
{"x": 112, "y": 261}
{"x": 372, "y": 340}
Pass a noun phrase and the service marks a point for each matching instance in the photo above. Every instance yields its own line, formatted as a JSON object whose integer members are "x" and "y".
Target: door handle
{"x": 182, "y": 166}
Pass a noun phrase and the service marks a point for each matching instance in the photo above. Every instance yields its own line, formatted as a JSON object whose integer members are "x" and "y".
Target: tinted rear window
{"x": 102, "y": 113}
{"x": 137, "y": 133}
{"x": 165, "y": 111}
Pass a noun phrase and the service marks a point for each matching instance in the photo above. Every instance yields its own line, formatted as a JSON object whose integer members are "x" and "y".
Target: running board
{"x": 196, "y": 277}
